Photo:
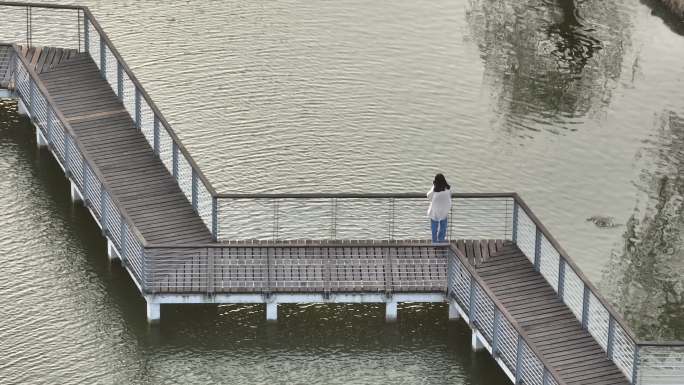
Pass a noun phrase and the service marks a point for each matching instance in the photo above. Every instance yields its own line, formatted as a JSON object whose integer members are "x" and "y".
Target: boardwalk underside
{"x": 554, "y": 329}
{"x": 138, "y": 179}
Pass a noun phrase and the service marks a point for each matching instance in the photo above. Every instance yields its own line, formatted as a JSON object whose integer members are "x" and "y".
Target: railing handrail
{"x": 406, "y": 195}
{"x": 40, "y": 5}
{"x": 50, "y": 104}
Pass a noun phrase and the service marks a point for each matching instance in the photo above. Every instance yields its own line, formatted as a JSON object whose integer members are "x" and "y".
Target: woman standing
{"x": 440, "y": 206}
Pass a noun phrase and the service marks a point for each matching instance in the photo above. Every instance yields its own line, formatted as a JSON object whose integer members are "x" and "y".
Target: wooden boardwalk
{"x": 183, "y": 242}
{"x": 139, "y": 180}
{"x": 553, "y": 328}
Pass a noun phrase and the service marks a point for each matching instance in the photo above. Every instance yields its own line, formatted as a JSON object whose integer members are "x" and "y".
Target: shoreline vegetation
{"x": 676, "y": 6}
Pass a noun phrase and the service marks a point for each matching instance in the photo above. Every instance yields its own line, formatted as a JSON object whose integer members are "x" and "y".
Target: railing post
{"x": 48, "y": 126}
{"x": 156, "y": 135}
{"x": 214, "y": 218}
{"x": 611, "y": 337}
{"x": 585, "y": 307}
{"x": 103, "y": 58}
{"x": 495, "y": 333}
{"x": 119, "y": 81}
{"x": 103, "y": 210}
{"x": 211, "y": 282}
{"x": 390, "y": 227}
{"x": 194, "y": 190}
{"x": 518, "y": 360}
{"x": 138, "y": 112}
{"x": 67, "y": 161}
{"x": 561, "y": 277}
{"x": 275, "y": 219}
{"x": 537, "y": 249}
{"x": 122, "y": 230}
{"x": 86, "y": 33}
{"x": 545, "y": 377}
{"x": 514, "y": 236}
{"x": 333, "y": 218}
{"x": 84, "y": 168}
{"x": 174, "y": 159}
{"x": 32, "y": 96}
{"x": 635, "y": 364}
{"x": 471, "y": 302}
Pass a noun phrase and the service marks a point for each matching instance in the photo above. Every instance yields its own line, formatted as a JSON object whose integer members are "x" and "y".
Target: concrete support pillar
{"x": 75, "y": 194}
{"x": 477, "y": 342}
{"x": 271, "y": 311}
{"x": 153, "y": 312}
{"x": 453, "y": 311}
{"x": 111, "y": 251}
{"x": 22, "y": 108}
{"x": 40, "y": 140}
{"x": 391, "y": 311}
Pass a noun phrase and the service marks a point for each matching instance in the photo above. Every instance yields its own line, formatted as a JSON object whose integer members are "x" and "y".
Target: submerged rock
{"x": 602, "y": 221}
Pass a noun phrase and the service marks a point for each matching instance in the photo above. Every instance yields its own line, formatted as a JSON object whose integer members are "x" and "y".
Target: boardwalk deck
{"x": 118, "y": 149}
{"x": 531, "y": 300}
{"x": 184, "y": 242}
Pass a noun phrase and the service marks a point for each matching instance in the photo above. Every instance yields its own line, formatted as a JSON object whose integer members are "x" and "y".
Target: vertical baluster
{"x": 611, "y": 336}
{"x": 585, "y": 307}
{"x": 275, "y": 219}
{"x": 103, "y": 210}
{"x": 138, "y": 112}
{"x": 32, "y": 97}
{"x": 333, "y": 219}
{"x": 103, "y": 58}
{"x": 514, "y": 236}
{"x": 122, "y": 231}
{"x": 495, "y": 333}
{"x": 561, "y": 277}
{"x": 214, "y": 218}
{"x": 84, "y": 169}
{"x": 518, "y": 360}
{"x": 194, "y": 190}
{"x": 537, "y": 249}
{"x": 49, "y": 124}
{"x": 390, "y": 226}
{"x": 635, "y": 364}
{"x": 86, "y": 34}
{"x": 471, "y": 302}
{"x": 67, "y": 157}
{"x": 119, "y": 81}
{"x": 174, "y": 157}
{"x": 156, "y": 135}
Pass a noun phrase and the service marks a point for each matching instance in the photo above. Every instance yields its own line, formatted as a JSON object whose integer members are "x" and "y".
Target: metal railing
{"x": 277, "y": 217}
{"x": 69, "y": 153}
{"x": 508, "y": 341}
{"x": 641, "y": 362}
{"x": 325, "y": 267}
{"x": 380, "y": 217}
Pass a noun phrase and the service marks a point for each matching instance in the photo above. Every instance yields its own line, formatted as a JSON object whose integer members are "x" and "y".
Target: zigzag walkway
{"x": 139, "y": 180}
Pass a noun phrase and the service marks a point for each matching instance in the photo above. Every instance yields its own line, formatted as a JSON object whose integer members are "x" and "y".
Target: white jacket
{"x": 440, "y": 204}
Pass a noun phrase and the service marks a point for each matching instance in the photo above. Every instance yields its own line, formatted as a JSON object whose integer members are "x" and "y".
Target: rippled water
{"x": 577, "y": 106}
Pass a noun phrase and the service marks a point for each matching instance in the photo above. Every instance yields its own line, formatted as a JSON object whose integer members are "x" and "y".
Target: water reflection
{"x": 647, "y": 273}
{"x": 548, "y": 62}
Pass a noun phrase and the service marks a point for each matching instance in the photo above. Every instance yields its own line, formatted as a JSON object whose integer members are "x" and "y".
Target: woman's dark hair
{"x": 440, "y": 183}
